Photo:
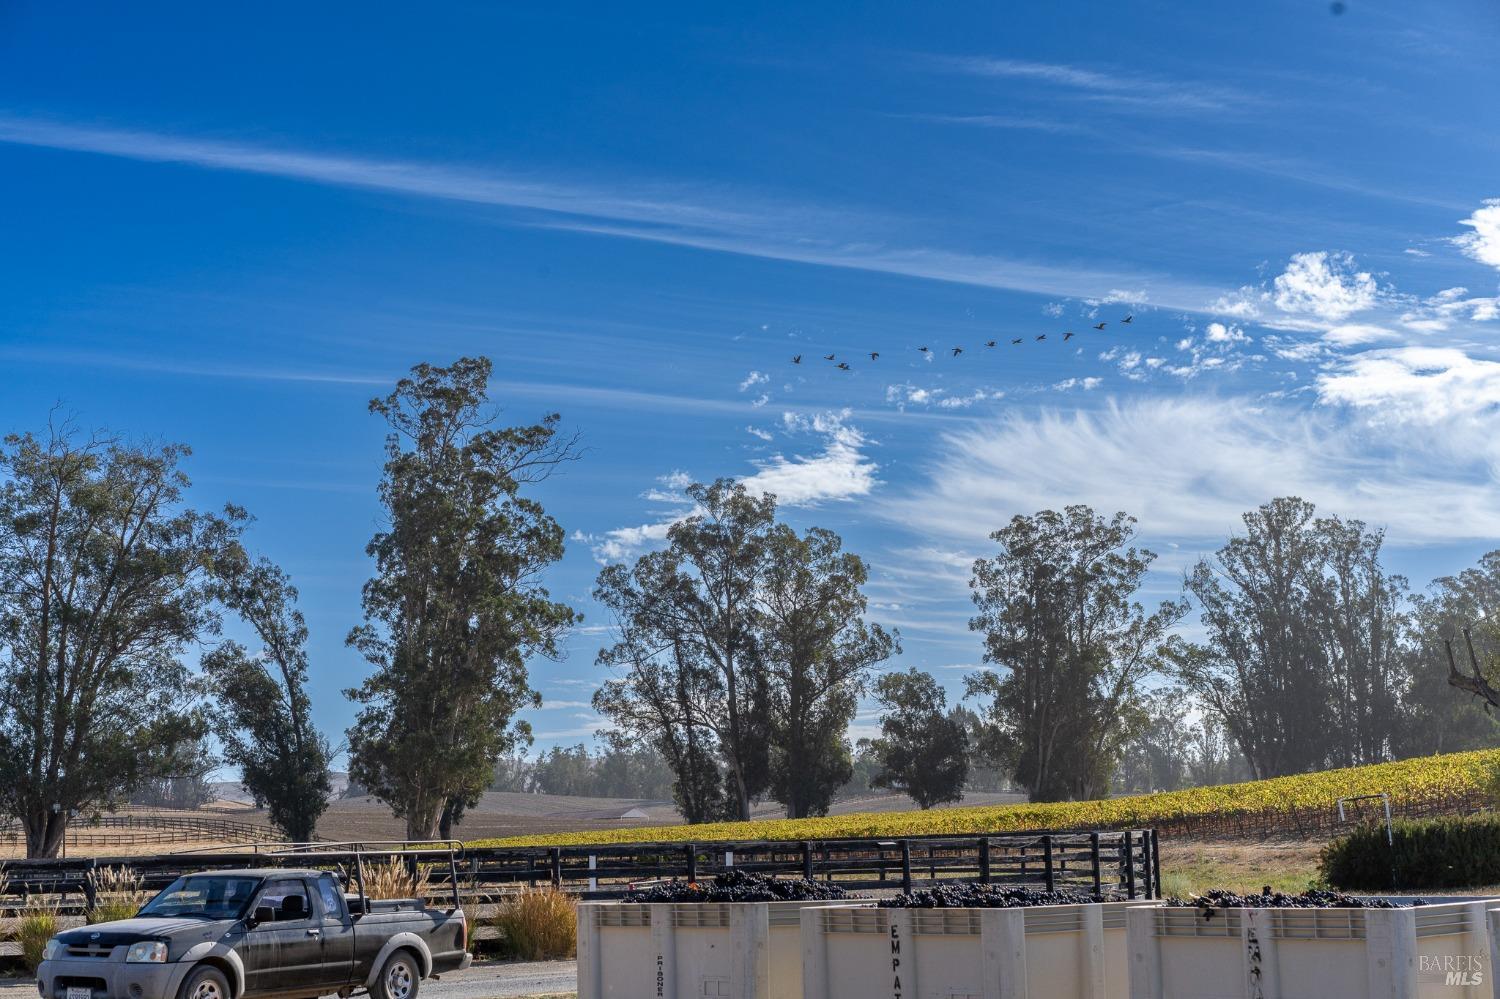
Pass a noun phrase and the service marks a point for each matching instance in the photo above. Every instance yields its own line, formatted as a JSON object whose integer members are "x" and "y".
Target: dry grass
{"x": 1193, "y": 867}
{"x": 119, "y": 893}
{"x": 538, "y": 924}
{"x": 395, "y": 879}
{"x": 38, "y": 923}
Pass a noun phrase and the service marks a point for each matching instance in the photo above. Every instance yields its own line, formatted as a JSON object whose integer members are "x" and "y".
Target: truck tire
{"x": 399, "y": 978}
{"x": 205, "y": 982}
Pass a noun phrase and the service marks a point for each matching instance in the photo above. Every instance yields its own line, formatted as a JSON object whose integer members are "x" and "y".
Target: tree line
{"x": 741, "y": 649}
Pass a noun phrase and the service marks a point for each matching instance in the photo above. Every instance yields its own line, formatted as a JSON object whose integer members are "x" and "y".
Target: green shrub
{"x": 1424, "y": 855}
{"x": 538, "y": 924}
{"x": 119, "y": 893}
{"x": 37, "y": 925}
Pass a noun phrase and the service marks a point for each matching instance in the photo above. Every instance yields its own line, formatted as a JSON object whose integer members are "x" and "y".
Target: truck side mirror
{"x": 262, "y": 914}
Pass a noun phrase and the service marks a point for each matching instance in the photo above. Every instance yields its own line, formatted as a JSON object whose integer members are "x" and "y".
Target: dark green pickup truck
{"x": 271, "y": 932}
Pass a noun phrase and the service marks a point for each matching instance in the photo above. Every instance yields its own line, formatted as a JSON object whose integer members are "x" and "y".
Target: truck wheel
{"x": 205, "y": 982}
{"x": 399, "y": 979}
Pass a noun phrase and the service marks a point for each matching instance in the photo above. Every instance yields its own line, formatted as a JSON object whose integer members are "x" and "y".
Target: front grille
{"x": 88, "y": 950}
{"x": 64, "y": 982}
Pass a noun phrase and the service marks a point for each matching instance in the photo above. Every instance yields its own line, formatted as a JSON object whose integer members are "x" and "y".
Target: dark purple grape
{"x": 740, "y": 886}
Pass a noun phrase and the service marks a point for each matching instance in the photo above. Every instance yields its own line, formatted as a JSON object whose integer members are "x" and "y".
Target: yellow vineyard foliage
{"x": 1408, "y": 782}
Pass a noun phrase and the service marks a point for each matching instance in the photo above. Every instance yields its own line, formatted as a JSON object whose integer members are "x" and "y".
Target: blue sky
{"x": 232, "y": 232}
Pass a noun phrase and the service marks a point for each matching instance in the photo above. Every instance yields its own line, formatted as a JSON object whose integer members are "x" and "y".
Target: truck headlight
{"x": 53, "y": 950}
{"x": 147, "y": 952}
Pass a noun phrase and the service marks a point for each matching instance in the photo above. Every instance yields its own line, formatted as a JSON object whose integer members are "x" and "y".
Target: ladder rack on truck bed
{"x": 411, "y": 849}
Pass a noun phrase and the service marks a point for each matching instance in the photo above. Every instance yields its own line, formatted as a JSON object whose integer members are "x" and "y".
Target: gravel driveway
{"x": 485, "y": 980}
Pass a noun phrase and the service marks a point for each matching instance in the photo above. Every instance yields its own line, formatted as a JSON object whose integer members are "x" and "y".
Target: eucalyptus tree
{"x": 1070, "y": 645}
{"x": 1303, "y": 658}
{"x": 818, "y": 652}
{"x": 105, "y": 582}
{"x": 264, "y": 716}
{"x": 923, "y": 749}
{"x": 691, "y": 675}
{"x": 456, "y": 607}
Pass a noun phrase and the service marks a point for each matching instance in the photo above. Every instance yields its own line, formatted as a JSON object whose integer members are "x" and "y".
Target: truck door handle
{"x": 314, "y": 932}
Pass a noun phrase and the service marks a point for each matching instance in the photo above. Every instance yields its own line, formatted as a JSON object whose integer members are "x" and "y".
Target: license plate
{"x": 80, "y": 992}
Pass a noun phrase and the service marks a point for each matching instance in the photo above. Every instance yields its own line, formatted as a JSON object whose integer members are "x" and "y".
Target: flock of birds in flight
{"x": 1017, "y": 341}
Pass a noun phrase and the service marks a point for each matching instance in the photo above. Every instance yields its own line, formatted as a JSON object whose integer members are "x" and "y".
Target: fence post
{"x": 1047, "y": 862}
{"x": 984, "y": 860}
{"x": 1146, "y": 865}
{"x": 692, "y": 862}
{"x": 1127, "y": 845}
{"x": 1094, "y": 859}
{"x": 807, "y": 861}
{"x": 1156, "y": 862}
{"x": 554, "y": 861}
{"x": 906, "y": 866}
{"x": 89, "y": 894}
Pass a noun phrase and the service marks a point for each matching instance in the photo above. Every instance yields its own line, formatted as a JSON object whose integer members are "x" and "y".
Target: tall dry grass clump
{"x": 119, "y": 893}
{"x": 39, "y": 922}
{"x": 394, "y": 879}
{"x": 538, "y": 924}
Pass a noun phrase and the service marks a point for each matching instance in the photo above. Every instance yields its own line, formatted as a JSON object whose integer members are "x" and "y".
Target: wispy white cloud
{"x": 753, "y": 379}
{"x": 1188, "y": 467}
{"x": 1354, "y": 334}
{"x": 1087, "y": 384}
{"x": 1017, "y": 122}
{"x": 1483, "y": 242}
{"x": 1122, "y": 89}
{"x": 1438, "y": 398}
{"x": 673, "y": 213}
{"x": 1323, "y": 285}
{"x": 840, "y": 471}
{"x": 905, "y": 394}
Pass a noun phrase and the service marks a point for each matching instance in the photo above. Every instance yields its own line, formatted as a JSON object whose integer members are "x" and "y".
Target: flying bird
{"x": 1068, "y": 336}
{"x": 1099, "y": 326}
{"x": 1041, "y": 338}
{"x": 957, "y": 351}
{"x": 874, "y": 355}
{"x": 1016, "y": 341}
{"x": 1127, "y": 319}
{"x": 797, "y": 359}
{"x": 989, "y": 343}
{"x": 843, "y": 366}
{"x": 827, "y": 357}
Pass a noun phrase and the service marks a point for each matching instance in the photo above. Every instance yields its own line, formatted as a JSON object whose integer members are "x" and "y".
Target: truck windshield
{"x": 210, "y": 896}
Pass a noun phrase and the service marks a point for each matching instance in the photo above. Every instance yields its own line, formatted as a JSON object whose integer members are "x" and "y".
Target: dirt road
{"x": 485, "y": 980}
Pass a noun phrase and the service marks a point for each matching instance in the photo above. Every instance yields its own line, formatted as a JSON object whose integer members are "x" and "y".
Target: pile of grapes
{"x": 977, "y": 896}
{"x": 1219, "y": 898}
{"x": 740, "y": 886}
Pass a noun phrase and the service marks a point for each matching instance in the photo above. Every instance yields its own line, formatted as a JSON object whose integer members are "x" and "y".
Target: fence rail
{"x": 1120, "y": 864}
{"x": 152, "y": 830}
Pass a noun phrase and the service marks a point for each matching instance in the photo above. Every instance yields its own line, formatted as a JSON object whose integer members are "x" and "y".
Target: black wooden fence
{"x": 1121, "y": 864}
